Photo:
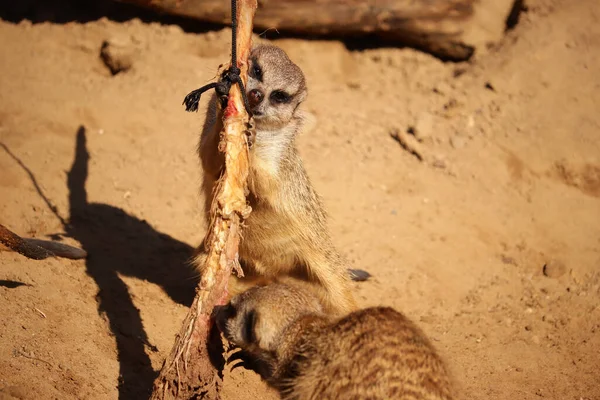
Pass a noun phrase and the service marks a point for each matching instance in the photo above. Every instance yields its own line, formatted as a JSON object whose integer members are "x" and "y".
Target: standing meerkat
{"x": 374, "y": 353}
{"x": 286, "y": 233}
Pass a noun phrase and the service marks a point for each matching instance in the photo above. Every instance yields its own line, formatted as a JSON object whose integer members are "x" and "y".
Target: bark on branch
{"x": 188, "y": 371}
{"x": 38, "y": 249}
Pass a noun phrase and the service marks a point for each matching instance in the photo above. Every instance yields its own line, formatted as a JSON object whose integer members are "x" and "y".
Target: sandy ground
{"x": 487, "y": 233}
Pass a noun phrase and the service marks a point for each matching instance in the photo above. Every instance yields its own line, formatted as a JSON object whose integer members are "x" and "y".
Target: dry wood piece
{"x": 18, "y": 244}
{"x": 448, "y": 28}
{"x": 188, "y": 371}
{"x": 38, "y": 249}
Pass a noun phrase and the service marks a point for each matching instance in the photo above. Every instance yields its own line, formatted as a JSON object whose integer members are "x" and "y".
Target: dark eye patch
{"x": 248, "y": 330}
{"x": 256, "y": 71}
{"x": 280, "y": 97}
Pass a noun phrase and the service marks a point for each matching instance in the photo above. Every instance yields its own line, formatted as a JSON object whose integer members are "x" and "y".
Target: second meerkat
{"x": 376, "y": 353}
{"x": 286, "y": 233}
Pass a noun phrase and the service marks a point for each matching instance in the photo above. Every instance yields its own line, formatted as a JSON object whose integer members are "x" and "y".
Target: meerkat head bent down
{"x": 286, "y": 234}
{"x": 375, "y": 353}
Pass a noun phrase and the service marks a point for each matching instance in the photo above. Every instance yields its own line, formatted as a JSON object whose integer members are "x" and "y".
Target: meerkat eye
{"x": 248, "y": 327}
{"x": 280, "y": 97}
{"x": 256, "y": 71}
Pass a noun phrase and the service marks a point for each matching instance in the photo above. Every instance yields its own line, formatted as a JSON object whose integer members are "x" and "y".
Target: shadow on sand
{"x": 121, "y": 244}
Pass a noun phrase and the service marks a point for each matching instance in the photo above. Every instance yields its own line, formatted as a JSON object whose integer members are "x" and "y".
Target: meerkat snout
{"x": 255, "y": 97}
{"x": 276, "y": 86}
{"x": 254, "y": 319}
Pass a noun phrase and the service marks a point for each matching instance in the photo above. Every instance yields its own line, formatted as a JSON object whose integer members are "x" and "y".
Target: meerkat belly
{"x": 272, "y": 242}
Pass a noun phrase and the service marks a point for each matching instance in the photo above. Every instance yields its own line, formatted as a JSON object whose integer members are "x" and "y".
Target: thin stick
{"x": 188, "y": 372}
{"x": 40, "y": 312}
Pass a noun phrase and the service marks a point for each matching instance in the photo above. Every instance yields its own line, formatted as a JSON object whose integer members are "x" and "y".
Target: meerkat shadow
{"x": 119, "y": 244}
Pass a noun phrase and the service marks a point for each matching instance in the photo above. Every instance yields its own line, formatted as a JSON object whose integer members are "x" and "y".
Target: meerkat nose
{"x": 255, "y": 97}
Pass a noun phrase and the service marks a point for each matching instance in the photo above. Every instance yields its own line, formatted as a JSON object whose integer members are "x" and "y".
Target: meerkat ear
{"x": 301, "y": 96}
{"x": 309, "y": 120}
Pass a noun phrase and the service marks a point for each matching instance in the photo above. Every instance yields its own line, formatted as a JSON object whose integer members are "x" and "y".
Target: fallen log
{"x": 451, "y": 29}
{"x": 190, "y": 371}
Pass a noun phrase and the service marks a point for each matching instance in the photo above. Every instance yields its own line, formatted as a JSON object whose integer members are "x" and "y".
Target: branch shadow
{"x": 121, "y": 244}
{"x": 34, "y": 181}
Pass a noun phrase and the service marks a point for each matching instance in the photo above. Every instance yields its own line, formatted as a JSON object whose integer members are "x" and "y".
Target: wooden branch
{"x": 58, "y": 249}
{"x": 447, "y": 28}
{"x": 188, "y": 371}
{"x": 18, "y": 244}
{"x": 38, "y": 249}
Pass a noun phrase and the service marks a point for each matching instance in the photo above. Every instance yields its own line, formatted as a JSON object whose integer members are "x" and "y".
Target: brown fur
{"x": 375, "y": 353}
{"x": 286, "y": 233}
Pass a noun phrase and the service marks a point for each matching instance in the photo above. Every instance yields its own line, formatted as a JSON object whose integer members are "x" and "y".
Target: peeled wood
{"x": 188, "y": 371}
{"x": 447, "y": 28}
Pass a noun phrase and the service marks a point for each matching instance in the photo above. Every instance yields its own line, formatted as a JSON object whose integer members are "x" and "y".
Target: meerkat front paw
{"x": 250, "y": 132}
{"x": 250, "y": 137}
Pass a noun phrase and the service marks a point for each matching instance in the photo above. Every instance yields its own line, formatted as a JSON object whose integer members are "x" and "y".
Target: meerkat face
{"x": 254, "y": 319}
{"x": 275, "y": 88}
